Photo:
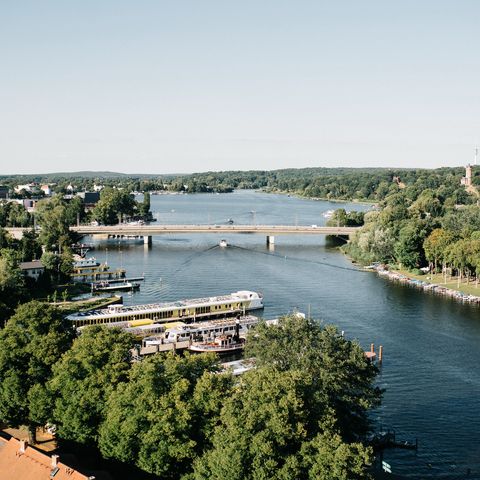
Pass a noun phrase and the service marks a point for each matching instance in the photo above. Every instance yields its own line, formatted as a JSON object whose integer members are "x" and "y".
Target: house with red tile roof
{"x": 20, "y": 461}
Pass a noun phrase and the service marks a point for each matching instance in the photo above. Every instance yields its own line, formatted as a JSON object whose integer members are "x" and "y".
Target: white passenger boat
{"x": 224, "y": 344}
{"x": 183, "y": 310}
{"x": 202, "y": 331}
{"x": 86, "y": 263}
{"x": 107, "y": 286}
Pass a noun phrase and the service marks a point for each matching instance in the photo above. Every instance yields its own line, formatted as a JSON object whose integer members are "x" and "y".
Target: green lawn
{"x": 439, "y": 279}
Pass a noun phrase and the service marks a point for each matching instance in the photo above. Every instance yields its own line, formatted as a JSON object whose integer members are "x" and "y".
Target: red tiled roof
{"x": 31, "y": 464}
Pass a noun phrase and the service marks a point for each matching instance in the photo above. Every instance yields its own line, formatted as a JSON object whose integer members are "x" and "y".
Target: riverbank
{"x": 453, "y": 287}
{"x": 320, "y": 199}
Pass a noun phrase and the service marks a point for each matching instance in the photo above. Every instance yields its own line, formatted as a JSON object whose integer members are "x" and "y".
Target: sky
{"x": 194, "y": 85}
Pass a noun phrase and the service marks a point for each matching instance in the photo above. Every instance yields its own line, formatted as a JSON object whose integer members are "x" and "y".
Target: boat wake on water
{"x": 298, "y": 259}
{"x": 194, "y": 255}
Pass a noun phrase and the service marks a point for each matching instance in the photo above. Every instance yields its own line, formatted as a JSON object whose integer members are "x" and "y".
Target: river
{"x": 431, "y": 368}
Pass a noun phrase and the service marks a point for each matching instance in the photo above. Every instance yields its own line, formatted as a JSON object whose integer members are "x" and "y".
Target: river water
{"x": 431, "y": 368}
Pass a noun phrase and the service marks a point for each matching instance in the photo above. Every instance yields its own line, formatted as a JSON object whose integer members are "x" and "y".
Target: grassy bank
{"x": 453, "y": 283}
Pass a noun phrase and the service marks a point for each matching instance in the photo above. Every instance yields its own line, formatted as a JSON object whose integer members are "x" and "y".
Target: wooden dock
{"x": 388, "y": 439}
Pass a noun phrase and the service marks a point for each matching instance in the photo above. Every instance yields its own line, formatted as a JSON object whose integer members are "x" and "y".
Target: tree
{"x": 83, "y": 379}
{"x": 295, "y": 415}
{"x": 30, "y": 248}
{"x": 435, "y": 245}
{"x": 426, "y": 204}
{"x": 113, "y": 205}
{"x": 144, "y": 207}
{"x": 328, "y": 457}
{"x": 342, "y": 378}
{"x": 54, "y": 219}
{"x": 266, "y": 430}
{"x": 30, "y": 344}
{"x": 409, "y": 246}
{"x": 163, "y": 418}
{"x": 12, "y": 283}
{"x": 58, "y": 266}
{"x": 262, "y": 427}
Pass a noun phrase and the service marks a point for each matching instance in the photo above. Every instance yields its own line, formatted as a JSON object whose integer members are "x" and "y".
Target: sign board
{"x": 386, "y": 467}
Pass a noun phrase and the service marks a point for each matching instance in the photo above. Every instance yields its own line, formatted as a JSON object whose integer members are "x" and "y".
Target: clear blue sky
{"x": 194, "y": 85}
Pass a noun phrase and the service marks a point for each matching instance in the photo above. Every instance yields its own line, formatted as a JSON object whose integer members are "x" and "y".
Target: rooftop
{"x": 30, "y": 265}
{"x": 20, "y": 461}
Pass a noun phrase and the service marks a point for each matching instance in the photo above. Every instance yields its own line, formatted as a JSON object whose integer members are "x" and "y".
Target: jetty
{"x": 388, "y": 439}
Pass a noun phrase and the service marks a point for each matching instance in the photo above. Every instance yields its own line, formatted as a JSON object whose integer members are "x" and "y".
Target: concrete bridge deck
{"x": 142, "y": 230}
{"x": 155, "y": 229}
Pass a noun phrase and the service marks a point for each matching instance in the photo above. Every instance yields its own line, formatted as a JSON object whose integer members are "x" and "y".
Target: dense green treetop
{"x": 342, "y": 380}
{"x": 97, "y": 362}
{"x": 12, "y": 282}
{"x": 300, "y": 413}
{"x": 114, "y": 204}
{"x": 163, "y": 418}
{"x": 54, "y": 216}
{"x": 31, "y": 343}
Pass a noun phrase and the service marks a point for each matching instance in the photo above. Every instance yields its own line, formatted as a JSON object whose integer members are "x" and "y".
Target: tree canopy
{"x": 300, "y": 414}
{"x": 31, "y": 343}
{"x": 161, "y": 419}
{"x": 98, "y": 360}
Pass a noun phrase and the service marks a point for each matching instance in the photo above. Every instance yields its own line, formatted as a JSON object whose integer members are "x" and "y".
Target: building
{"x": 30, "y": 204}
{"x": 467, "y": 179}
{"x": 32, "y": 269}
{"x": 90, "y": 199}
{"x": 20, "y": 461}
{"x": 28, "y": 187}
{"x": 46, "y": 190}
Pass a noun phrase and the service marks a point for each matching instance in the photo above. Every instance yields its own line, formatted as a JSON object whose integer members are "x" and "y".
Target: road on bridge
{"x": 149, "y": 230}
{"x": 144, "y": 230}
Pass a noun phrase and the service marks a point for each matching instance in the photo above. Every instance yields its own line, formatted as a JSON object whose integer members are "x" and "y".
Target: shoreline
{"x": 321, "y": 199}
{"x": 415, "y": 281}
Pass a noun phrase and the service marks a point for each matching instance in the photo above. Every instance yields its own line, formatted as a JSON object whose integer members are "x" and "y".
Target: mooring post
{"x": 372, "y": 348}
{"x": 380, "y": 354}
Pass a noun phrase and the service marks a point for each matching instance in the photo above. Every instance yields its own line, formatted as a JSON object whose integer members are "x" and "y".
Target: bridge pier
{"x": 270, "y": 240}
{"x": 147, "y": 240}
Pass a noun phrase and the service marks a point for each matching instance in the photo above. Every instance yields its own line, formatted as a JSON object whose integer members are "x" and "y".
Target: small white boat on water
{"x": 113, "y": 286}
{"x": 223, "y": 243}
{"x": 328, "y": 214}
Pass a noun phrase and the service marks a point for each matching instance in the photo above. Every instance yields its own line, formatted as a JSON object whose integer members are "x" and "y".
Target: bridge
{"x": 147, "y": 231}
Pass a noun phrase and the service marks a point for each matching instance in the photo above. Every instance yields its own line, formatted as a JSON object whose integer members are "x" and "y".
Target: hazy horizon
{"x": 187, "y": 87}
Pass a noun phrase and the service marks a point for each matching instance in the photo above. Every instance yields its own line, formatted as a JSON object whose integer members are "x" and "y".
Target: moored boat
{"x": 182, "y": 310}
{"x": 86, "y": 263}
{"x": 203, "y": 331}
{"x": 222, "y": 345}
{"x": 110, "y": 287}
